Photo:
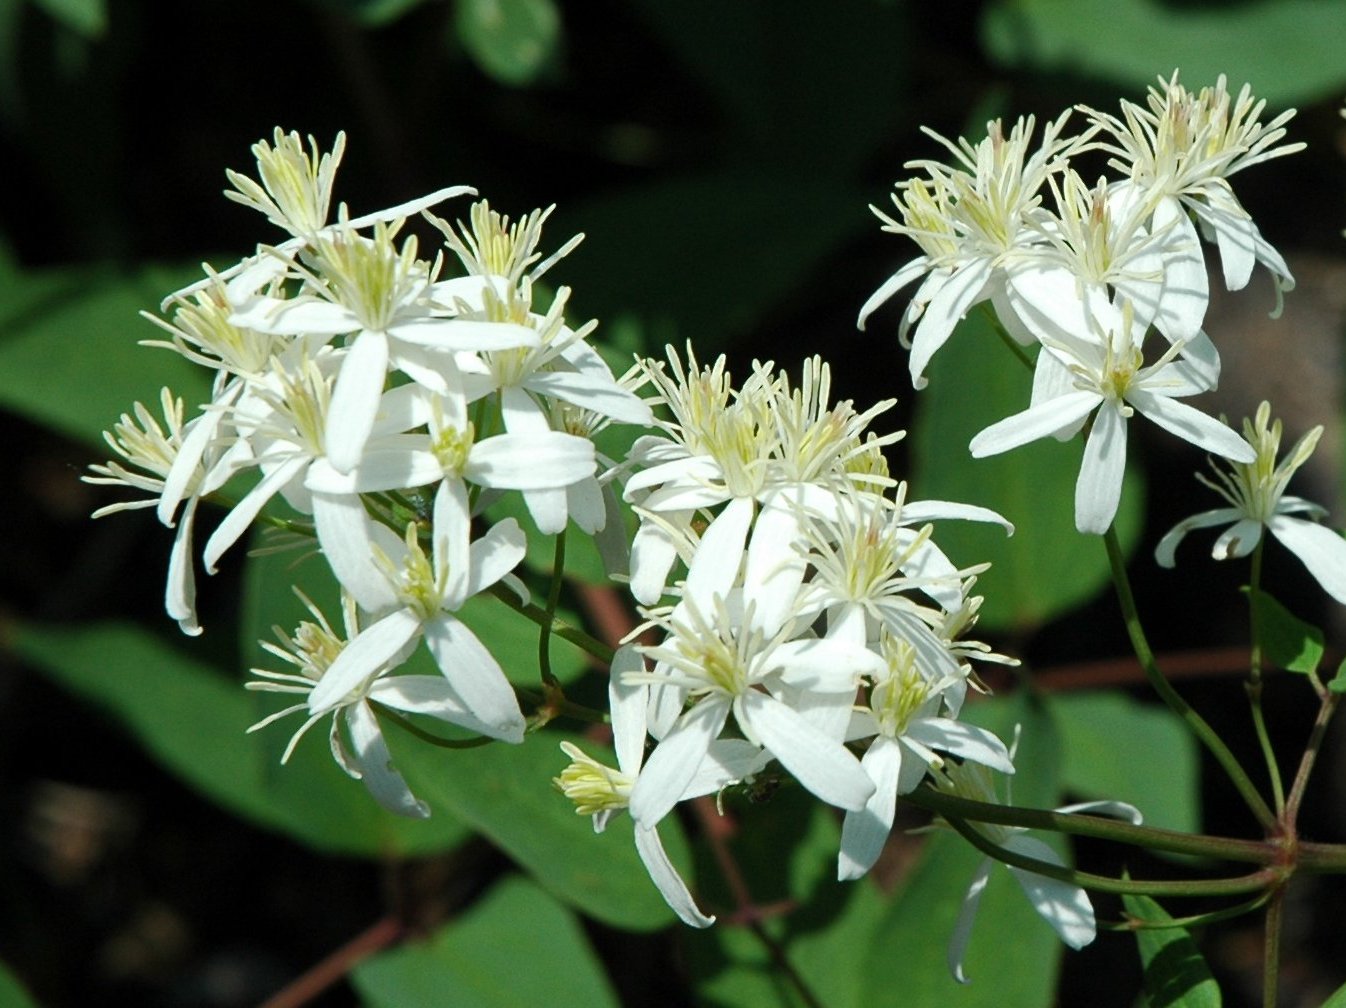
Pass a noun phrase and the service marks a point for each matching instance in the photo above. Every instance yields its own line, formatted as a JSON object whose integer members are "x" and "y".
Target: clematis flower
{"x": 1108, "y": 377}
{"x": 313, "y": 649}
{"x": 1256, "y": 494}
{"x": 906, "y": 717}
{"x": 603, "y": 792}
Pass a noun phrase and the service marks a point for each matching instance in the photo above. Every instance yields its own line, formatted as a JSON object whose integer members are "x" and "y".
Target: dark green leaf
{"x": 12, "y": 993}
{"x": 194, "y": 720}
{"x": 69, "y": 356}
{"x": 516, "y": 947}
{"x": 1338, "y": 683}
{"x": 1287, "y": 641}
{"x": 371, "y": 12}
{"x": 1118, "y": 748}
{"x": 1176, "y": 976}
{"x": 1290, "y": 50}
{"x": 506, "y": 793}
{"x": 86, "y": 17}
{"x": 511, "y": 40}
{"x": 1046, "y": 568}
{"x": 1338, "y": 998}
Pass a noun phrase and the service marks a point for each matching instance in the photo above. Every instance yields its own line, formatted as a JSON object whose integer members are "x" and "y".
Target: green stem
{"x": 1254, "y": 684}
{"x": 1325, "y": 711}
{"x": 590, "y": 645}
{"x": 1271, "y": 956}
{"x": 1173, "y": 842}
{"x": 1252, "y": 882}
{"x": 1195, "y": 920}
{"x": 549, "y": 681}
{"x": 1194, "y": 721}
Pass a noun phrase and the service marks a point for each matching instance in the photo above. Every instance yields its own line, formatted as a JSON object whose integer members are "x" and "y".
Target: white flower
{"x": 1181, "y": 151}
{"x": 314, "y": 648}
{"x": 1256, "y": 493}
{"x": 906, "y": 717}
{"x": 602, "y": 792}
{"x": 718, "y": 661}
{"x": 414, "y": 597}
{"x": 975, "y": 225}
{"x": 1108, "y": 376}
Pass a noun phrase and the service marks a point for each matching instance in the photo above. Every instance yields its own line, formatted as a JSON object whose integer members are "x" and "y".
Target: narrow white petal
{"x": 366, "y": 654}
{"x": 543, "y": 461}
{"x": 476, "y": 676}
{"x": 1192, "y": 425}
{"x": 548, "y": 510}
{"x": 675, "y": 760}
{"x": 355, "y": 399}
{"x": 967, "y": 913}
{"x": 1035, "y": 422}
{"x": 376, "y": 765}
{"x": 965, "y": 740}
{"x": 775, "y": 564}
{"x": 1098, "y": 490}
{"x": 1234, "y": 234}
{"x": 920, "y": 512}
{"x": 412, "y": 206}
{"x": 905, "y": 275}
{"x": 667, "y": 880}
{"x": 1064, "y": 906}
{"x": 347, "y": 542}
{"x": 946, "y": 309}
{"x": 1107, "y": 807}
{"x": 451, "y": 530}
{"x": 864, "y": 833}
{"x": 495, "y": 554}
{"x": 587, "y": 391}
{"x": 1164, "y": 553}
{"x": 1238, "y": 540}
{"x": 180, "y": 586}
{"x": 1321, "y": 549}
{"x": 242, "y": 514}
{"x": 629, "y": 706}
{"x": 718, "y": 556}
{"x": 465, "y": 334}
{"x": 823, "y": 765}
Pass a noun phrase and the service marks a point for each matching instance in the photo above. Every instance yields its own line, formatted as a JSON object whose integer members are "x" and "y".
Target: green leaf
{"x": 12, "y": 993}
{"x": 1176, "y": 976}
{"x": 69, "y": 356}
{"x": 1338, "y": 998}
{"x": 85, "y": 17}
{"x": 511, "y": 40}
{"x": 1014, "y": 956}
{"x": 1338, "y": 683}
{"x": 1046, "y": 568}
{"x": 1159, "y": 771}
{"x": 505, "y": 792}
{"x": 194, "y": 722}
{"x": 371, "y": 13}
{"x": 1290, "y": 50}
{"x": 1287, "y": 641}
{"x": 515, "y": 947}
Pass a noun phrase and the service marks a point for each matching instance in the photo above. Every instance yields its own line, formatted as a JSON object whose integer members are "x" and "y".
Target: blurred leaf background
{"x": 720, "y": 156}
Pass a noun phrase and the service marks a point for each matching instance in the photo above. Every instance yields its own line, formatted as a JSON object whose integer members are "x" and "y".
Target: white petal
{"x": 1164, "y": 553}
{"x": 1238, "y": 540}
{"x": 946, "y": 309}
{"x": 1186, "y": 289}
{"x": 1234, "y": 234}
{"x": 548, "y": 509}
{"x": 346, "y": 540}
{"x": 823, "y": 765}
{"x": 465, "y": 334}
{"x": 1116, "y": 809}
{"x": 412, "y": 206}
{"x": 355, "y": 399}
{"x": 599, "y": 395}
{"x": 905, "y": 275}
{"x": 1192, "y": 425}
{"x": 476, "y": 676}
{"x": 864, "y": 833}
{"x": 1064, "y": 906}
{"x": 967, "y": 913}
{"x": 1033, "y": 423}
{"x": 715, "y": 566}
{"x": 1099, "y": 487}
{"x": 242, "y": 514}
{"x": 675, "y": 760}
{"x": 367, "y": 653}
{"x": 376, "y": 765}
{"x": 775, "y": 564}
{"x": 965, "y": 740}
{"x": 543, "y": 461}
{"x": 1322, "y": 550}
{"x": 450, "y": 532}
{"x": 628, "y": 704}
{"x": 180, "y": 586}
{"x": 667, "y": 880}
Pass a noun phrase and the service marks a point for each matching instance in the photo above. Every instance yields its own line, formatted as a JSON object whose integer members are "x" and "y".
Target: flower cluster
{"x": 388, "y": 401}
{"x": 808, "y": 581}
{"x": 1090, "y": 276}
